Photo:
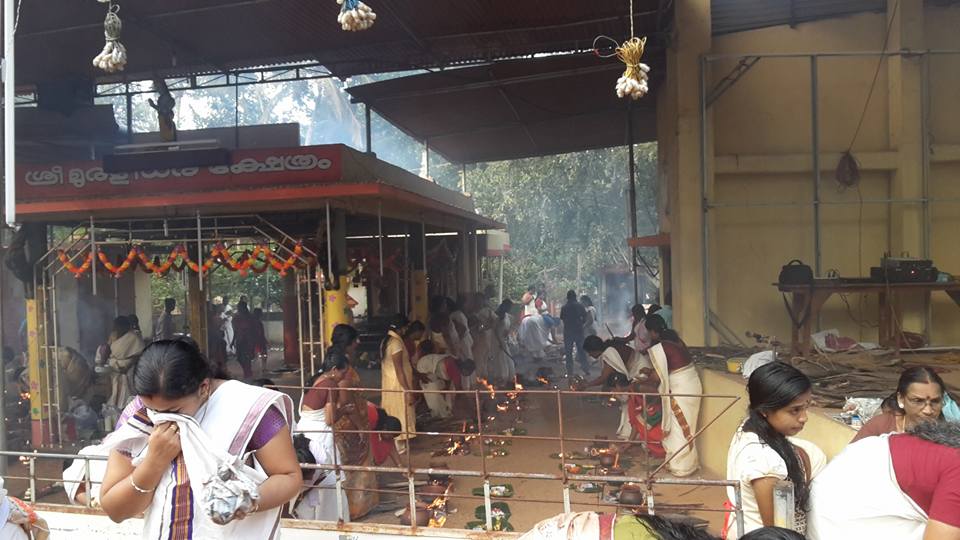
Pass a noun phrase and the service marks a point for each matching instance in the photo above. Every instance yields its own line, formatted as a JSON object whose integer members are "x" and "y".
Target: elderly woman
{"x": 919, "y": 398}
{"x": 904, "y": 486}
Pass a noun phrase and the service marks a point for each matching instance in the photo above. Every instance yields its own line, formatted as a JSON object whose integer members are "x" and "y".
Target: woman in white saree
{"x": 192, "y": 424}
{"x": 680, "y": 385}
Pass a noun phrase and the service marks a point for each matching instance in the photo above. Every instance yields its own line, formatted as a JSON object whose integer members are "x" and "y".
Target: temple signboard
{"x": 248, "y": 169}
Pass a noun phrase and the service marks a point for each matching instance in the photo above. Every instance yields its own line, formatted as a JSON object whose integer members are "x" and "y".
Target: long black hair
{"x": 301, "y": 446}
{"x": 404, "y": 328}
{"x": 341, "y": 338}
{"x": 772, "y": 533}
{"x": 413, "y": 328}
{"x": 916, "y": 374}
{"x": 666, "y": 529}
{"x": 331, "y": 361}
{"x": 617, "y": 380}
{"x": 172, "y": 368}
{"x": 594, "y": 344}
{"x": 385, "y": 422}
{"x": 504, "y": 308}
{"x": 773, "y": 387}
{"x": 597, "y": 344}
{"x": 657, "y": 324}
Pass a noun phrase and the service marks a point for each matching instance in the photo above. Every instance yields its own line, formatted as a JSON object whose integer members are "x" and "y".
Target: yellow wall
{"x": 760, "y": 132}
{"x": 831, "y": 436}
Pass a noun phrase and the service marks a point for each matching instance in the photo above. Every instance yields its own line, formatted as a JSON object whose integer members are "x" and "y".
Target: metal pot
{"x": 631, "y": 495}
{"x": 607, "y": 459}
{"x": 423, "y": 517}
{"x": 430, "y": 492}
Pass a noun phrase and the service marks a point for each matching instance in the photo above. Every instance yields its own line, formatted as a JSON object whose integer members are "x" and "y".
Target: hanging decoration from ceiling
{"x": 355, "y": 15}
{"x": 113, "y": 57}
{"x": 179, "y": 258}
{"x": 634, "y": 83}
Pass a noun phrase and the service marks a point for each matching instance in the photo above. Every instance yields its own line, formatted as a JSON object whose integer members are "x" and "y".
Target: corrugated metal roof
{"x": 730, "y": 16}
{"x": 57, "y": 39}
{"x": 518, "y": 108}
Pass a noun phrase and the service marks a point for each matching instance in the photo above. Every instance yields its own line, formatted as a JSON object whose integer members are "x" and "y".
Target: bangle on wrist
{"x": 139, "y": 489}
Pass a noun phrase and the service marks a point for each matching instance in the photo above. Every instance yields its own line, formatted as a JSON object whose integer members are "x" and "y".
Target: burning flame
{"x": 543, "y": 380}
{"x": 502, "y": 407}
{"x": 438, "y": 509}
{"x": 457, "y": 445}
{"x": 516, "y": 386}
{"x": 486, "y": 384}
{"x": 24, "y": 395}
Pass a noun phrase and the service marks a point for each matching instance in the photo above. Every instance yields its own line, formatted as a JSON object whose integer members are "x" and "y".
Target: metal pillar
{"x": 705, "y": 222}
{"x": 815, "y": 152}
{"x": 925, "y": 181}
{"x": 3, "y": 393}
{"x": 199, "y": 253}
{"x": 632, "y": 196}
{"x": 329, "y": 247}
{"x": 93, "y": 258}
{"x": 129, "y": 103}
{"x": 9, "y": 104}
{"x": 925, "y": 138}
{"x": 500, "y": 289}
{"x": 368, "y": 147}
{"x": 380, "y": 234}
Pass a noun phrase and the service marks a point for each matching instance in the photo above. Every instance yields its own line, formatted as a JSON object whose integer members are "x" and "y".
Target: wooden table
{"x": 823, "y": 289}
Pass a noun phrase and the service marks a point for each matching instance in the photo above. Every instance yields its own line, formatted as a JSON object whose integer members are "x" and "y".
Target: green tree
{"x": 557, "y": 208}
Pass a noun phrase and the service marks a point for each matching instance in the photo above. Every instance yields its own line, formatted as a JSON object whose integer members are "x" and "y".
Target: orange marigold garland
{"x": 283, "y": 266}
{"x": 258, "y": 260}
{"x": 154, "y": 266}
{"x": 77, "y": 271}
{"x": 118, "y": 269}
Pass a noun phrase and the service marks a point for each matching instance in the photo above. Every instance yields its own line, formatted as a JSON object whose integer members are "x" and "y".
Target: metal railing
{"x": 482, "y": 401}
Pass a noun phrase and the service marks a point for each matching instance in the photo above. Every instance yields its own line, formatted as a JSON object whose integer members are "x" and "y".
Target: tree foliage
{"x": 556, "y": 208}
{"x": 559, "y": 208}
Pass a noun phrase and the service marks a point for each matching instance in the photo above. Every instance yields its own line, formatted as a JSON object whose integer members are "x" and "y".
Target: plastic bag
{"x": 865, "y": 408}
{"x": 228, "y": 493}
{"x": 951, "y": 411}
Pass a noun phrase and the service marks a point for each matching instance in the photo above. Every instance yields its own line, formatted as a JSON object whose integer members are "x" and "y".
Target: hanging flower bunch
{"x": 77, "y": 271}
{"x": 355, "y": 15}
{"x": 113, "y": 57}
{"x": 634, "y": 81}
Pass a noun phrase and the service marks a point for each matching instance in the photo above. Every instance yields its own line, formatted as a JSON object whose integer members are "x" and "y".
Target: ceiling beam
{"x": 489, "y": 83}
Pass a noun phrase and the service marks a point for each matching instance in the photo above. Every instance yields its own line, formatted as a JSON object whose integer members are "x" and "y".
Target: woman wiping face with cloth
{"x": 149, "y": 465}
